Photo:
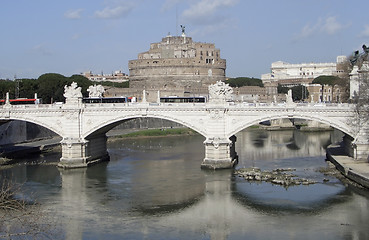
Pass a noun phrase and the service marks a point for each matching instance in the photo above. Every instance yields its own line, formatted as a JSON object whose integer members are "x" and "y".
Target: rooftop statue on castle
{"x": 183, "y": 30}
{"x": 220, "y": 92}
{"x": 72, "y": 91}
{"x": 95, "y": 91}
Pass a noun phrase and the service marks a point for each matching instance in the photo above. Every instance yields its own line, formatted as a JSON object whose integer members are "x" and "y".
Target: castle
{"x": 176, "y": 66}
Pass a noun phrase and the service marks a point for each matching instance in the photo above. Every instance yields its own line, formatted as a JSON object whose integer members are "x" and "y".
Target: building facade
{"x": 325, "y": 93}
{"x": 290, "y": 75}
{"x": 117, "y": 76}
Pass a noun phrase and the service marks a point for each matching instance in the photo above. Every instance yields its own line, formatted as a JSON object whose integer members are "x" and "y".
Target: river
{"x": 154, "y": 188}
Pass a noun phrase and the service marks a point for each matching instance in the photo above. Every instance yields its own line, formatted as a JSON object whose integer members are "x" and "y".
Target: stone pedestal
{"x": 219, "y": 153}
{"x": 361, "y": 152}
{"x": 361, "y": 143}
{"x": 73, "y": 102}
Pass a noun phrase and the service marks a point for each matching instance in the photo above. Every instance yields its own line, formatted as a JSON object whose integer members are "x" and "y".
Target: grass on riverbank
{"x": 159, "y": 133}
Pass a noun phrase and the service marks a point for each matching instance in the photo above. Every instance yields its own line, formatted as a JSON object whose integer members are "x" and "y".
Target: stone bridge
{"x": 83, "y": 127}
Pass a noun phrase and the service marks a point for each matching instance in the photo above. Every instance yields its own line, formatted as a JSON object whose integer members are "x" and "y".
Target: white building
{"x": 293, "y": 74}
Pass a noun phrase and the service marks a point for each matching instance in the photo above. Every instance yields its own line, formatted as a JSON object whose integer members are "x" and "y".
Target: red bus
{"x": 20, "y": 101}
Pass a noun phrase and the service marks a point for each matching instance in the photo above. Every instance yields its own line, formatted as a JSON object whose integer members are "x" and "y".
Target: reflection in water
{"x": 280, "y": 144}
{"x": 155, "y": 189}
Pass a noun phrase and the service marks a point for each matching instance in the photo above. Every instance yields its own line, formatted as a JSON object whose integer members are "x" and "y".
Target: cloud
{"x": 328, "y": 26}
{"x": 365, "y": 32}
{"x": 331, "y": 26}
{"x": 206, "y": 12}
{"x": 213, "y": 28}
{"x": 118, "y": 10}
{"x": 73, "y": 13}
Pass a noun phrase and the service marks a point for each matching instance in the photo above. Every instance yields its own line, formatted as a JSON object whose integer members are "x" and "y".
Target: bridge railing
{"x": 184, "y": 105}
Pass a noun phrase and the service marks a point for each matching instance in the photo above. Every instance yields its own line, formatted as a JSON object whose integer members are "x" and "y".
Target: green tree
{"x": 299, "y": 93}
{"x": 115, "y": 84}
{"x": 282, "y": 89}
{"x": 330, "y": 80}
{"x": 27, "y": 88}
{"x": 7, "y": 86}
{"x": 51, "y": 87}
{"x": 244, "y": 81}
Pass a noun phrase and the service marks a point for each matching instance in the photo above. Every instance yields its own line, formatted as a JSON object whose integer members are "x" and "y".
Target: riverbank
{"x": 139, "y": 133}
{"x": 10, "y": 153}
{"x": 357, "y": 171}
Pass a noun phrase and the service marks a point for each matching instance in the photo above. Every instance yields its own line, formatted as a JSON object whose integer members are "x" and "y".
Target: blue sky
{"x": 74, "y": 36}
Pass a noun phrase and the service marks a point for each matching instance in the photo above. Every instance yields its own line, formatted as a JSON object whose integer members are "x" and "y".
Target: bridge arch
{"x": 105, "y": 126}
{"x": 337, "y": 124}
{"x": 50, "y": 127}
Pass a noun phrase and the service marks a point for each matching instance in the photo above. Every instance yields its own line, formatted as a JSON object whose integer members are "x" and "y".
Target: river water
{"x": 154, "y": 189}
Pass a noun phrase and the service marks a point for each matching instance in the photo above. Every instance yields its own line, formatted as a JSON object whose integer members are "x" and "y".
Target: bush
{"x": 20, "y": 219}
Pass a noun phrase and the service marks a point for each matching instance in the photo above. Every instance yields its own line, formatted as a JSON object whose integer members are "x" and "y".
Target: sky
{"x": 75, "y": 36}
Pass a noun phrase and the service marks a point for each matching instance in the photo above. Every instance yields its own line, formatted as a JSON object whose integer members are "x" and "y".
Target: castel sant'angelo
{"x": 176, "y": 66}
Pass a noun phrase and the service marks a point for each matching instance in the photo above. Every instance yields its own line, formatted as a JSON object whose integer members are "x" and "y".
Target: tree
{"x": 115, "y": 84}
{"x": 282, "y": 89}
{"x": 244, "y": 81}
{"x": 299, "y": 93}
{"x": 51, "y": 86}
{"x": 327, "y": 80}
{"x": 27, "y": 88}
{"x": 7, "y": 86}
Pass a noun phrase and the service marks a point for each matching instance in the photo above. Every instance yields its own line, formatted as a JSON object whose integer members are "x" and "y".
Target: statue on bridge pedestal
{"x": 72, "y": 91}
{"x": 73, "y": 94}
{"x": 289, "y": 100}
{"x": 220, "y": 92}
{"x": 95, "y": 91}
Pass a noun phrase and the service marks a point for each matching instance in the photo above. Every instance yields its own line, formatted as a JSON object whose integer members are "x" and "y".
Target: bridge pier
{"x": 77, "y": 153}
{"x": 220, "y": 153}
